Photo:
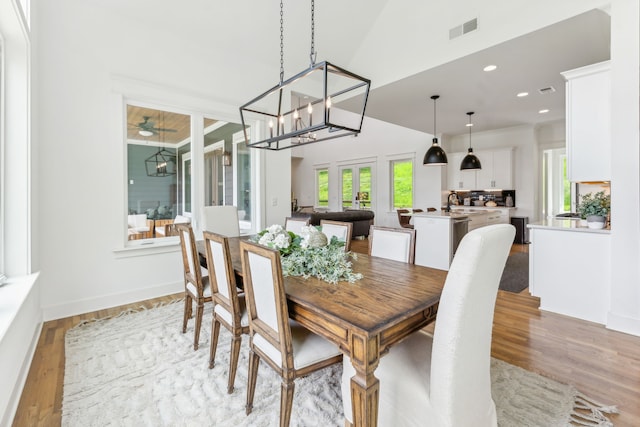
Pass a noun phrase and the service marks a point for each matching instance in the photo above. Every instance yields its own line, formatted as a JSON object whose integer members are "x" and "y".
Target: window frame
{"x": 393, "y": 160}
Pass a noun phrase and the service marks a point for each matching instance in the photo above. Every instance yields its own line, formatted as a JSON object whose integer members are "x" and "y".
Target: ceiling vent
{"x": 545, "y": 90}
{"x": 465, "y": 28}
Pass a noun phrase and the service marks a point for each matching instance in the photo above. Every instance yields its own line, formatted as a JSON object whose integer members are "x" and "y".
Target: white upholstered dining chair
{"x": 295, "y": 224}
{"x": 196, "y": 284}
{"x": 444, "y": 380}
{"x": 229, "y": 309}
{"x": 288, "y": 348}
{"x": 398, "y": 244}
{"x": 340, "y": 229}
{"x": 221, "y": 220}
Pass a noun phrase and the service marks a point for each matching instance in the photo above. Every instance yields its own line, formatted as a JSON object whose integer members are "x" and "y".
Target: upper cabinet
{"x": 496, "y": 172}
{"x": 588, "y": 103}
{"x": 459, "y": 179}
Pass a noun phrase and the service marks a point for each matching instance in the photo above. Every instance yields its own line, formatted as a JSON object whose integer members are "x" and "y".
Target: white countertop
{"x": 566, "y": 225}
{"x": 441, "y": 214}
{"x": 484, "y": 208}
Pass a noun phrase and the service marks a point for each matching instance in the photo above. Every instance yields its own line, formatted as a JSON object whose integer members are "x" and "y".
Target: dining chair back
{"x": 221, "y": 220}
{"x": 196, "y": 284}
{"x": 229, "y": 307}
{"x": 287, "y": 347}
{"x": 443, "y": 379}
{"x": 340, "y": 229}
{"x": 404, "y": 219}
{"x": 295, "y": 224}
{"x": 397, "y": 244}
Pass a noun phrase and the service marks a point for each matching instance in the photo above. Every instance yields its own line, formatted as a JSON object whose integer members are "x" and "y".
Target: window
{"x": 322, "y": 187}
{"x": 162, "y": 184}
{"x": 557, "y": 190}
{"x": 402, "y": 183}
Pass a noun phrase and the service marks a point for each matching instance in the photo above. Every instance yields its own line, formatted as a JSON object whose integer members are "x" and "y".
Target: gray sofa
{"x": 362, "y": 219}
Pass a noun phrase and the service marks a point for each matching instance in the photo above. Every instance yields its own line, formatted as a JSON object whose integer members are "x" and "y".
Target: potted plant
{"x": 594, "y": 208}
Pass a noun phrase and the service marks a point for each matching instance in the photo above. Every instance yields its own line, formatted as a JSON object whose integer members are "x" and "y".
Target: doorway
{"x": 357, "y": 186}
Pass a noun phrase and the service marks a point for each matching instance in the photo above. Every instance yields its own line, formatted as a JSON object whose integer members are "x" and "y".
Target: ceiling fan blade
{"x": 163, "y": 130}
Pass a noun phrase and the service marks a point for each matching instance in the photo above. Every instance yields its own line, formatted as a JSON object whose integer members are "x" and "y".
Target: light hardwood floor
{"x": 601, "y": 363}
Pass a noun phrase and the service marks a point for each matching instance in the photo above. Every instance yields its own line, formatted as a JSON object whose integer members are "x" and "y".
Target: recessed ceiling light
{"x": 523, "y": 94}
{"x": 469, "y": 125}
{"x": 144, "y": 132}
{"x": 490, "y": 67}
{"x": 543, "y": 111}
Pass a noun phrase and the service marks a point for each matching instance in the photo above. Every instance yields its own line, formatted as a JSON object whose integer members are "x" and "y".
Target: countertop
{"x": 441, "y": 214}
{"x": 566, "y": 225}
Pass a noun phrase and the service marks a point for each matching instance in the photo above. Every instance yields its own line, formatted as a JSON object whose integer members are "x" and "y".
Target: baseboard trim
{"x": 628, "y": 325}
{"x": 102, "y": 302}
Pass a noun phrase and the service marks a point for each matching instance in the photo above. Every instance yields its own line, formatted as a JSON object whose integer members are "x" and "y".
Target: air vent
{"x": 545, "y": 90}
{"x": 465, "y": 28}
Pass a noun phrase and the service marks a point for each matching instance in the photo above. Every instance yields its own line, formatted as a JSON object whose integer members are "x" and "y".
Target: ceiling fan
{"x": 148, "y": 127}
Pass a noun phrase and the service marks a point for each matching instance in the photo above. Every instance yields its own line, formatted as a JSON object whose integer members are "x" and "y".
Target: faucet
{"x": 452, "y": 193}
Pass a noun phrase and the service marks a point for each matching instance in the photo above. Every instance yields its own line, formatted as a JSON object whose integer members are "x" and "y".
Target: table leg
{"x": 365, "y": 387}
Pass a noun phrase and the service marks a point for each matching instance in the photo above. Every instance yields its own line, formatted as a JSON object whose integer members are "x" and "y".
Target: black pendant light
{"x": 470, "y": 161}
{"x": 435, "y": 155}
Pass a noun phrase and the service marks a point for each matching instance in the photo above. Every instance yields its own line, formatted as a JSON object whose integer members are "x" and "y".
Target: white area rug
{"x": 138, "y": 369}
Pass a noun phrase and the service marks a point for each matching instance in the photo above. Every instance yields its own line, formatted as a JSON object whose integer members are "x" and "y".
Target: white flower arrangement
{"x": 310, "y": 254}
{"x": 275, "y": 237}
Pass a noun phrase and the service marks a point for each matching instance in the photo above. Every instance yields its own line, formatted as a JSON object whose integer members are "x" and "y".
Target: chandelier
{"x": 302, "y": 109}
{"x": 163, "y": 163}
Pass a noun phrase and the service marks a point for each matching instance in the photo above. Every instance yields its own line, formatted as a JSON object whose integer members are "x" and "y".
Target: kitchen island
{"x": 437, "y": 237}
{"x": 570, "y": 268}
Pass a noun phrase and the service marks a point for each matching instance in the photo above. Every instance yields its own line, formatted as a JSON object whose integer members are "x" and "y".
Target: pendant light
{"x": 321, "y": 88}
{"x": 435, "y": 155}
{"x": 470, "y": 161}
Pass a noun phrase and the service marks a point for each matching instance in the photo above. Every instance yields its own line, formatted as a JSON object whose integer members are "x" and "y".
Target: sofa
{"x": 362, "y": 219}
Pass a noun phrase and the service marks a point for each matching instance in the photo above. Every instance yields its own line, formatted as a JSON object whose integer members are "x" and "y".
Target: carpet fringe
{"x": 126, "y": 312}
{"x": 595, "y": 415}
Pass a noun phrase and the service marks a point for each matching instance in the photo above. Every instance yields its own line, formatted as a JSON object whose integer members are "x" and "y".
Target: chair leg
{"x": 199, "y": 313}
{"x": 215, "y": 332}
{"x": 187, "y": 312}
{"x": 233, "y": 364}
{"x": 253, "y": 376}
{"x": 286, "y": 401}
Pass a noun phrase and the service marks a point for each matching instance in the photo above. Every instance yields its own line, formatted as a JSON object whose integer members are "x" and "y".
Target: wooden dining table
{"x": 365, "y": 318}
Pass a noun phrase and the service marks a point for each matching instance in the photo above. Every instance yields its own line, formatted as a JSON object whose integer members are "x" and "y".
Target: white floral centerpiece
{"x": 310, "y": 254}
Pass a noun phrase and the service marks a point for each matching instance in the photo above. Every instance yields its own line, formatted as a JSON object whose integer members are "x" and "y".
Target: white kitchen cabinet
{"x": 459, "y": 179}
{"x": 588, "y": 128}
{"x": 570, "y": 269}
{"x": 497, "y": 170}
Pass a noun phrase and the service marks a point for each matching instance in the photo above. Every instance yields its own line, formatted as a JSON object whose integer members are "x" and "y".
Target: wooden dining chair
{"x": 340, "y": 229}
{"x": 443, "y": 379}
{"x": 295, "y": 224}
{"x": 288, "y": 348}
{"x": 398, "y": 244}
{"x": 229, "y": 307}
{"x": 403, "y": 219}
{"x": 196, "y": 284}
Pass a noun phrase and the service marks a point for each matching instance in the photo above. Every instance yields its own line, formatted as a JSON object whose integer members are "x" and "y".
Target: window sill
{"x": 148, "y": 247}
{"x": 13, "y": 293}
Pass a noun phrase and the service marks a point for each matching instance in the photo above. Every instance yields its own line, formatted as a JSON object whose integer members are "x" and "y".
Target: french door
{"x": 357, "y": 186}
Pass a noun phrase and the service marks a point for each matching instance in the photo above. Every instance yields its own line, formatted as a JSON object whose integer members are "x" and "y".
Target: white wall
{"x": 379, "y": 142}
{"x": 625, "y": 171}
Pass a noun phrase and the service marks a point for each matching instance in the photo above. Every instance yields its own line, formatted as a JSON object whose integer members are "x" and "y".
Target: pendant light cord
{"x": 313, "y": 54}
{"x": 281, "y": 42}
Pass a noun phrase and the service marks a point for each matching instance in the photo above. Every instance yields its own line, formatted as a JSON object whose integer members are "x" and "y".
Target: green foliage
{"x": 594, "y": 204}
{"x": 402, "y": 184}
{"x": 329, "y": 263}
{"x": 323, "y": 187}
